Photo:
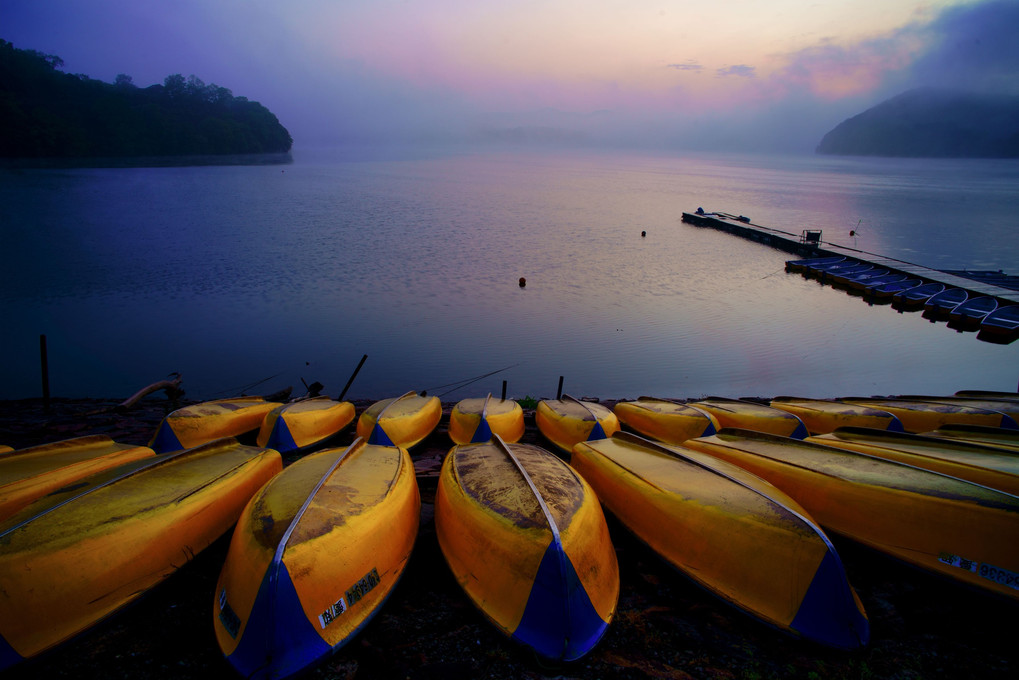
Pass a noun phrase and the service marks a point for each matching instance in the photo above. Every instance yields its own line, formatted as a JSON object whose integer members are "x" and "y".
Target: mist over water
{"x": 254, "y": 277}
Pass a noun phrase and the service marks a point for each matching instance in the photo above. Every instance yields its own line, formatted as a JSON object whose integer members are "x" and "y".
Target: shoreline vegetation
{"x": 46, "y": 113}
{"x": 922, "y": 626}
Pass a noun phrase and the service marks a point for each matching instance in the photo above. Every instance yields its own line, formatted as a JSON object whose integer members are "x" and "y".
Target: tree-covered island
{"x": 45, "y": 113}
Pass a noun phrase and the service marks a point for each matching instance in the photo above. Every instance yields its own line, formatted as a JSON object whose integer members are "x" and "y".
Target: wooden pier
{"x": 806, "y": 244}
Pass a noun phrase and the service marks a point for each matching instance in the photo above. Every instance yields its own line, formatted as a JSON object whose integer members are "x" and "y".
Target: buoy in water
{"x": 643, "y": 234}
{"x": 523, "y": 282}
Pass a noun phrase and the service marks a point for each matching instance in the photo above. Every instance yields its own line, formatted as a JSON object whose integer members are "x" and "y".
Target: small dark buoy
{"x": 643, "y": 234}
{"x": 523, "y": 282}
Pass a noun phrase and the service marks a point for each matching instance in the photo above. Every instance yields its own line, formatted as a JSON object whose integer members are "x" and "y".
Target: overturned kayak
{"x": 998, "y": 437}
{"x": 731, "y": 532}
{"x": 403, "y": 421}
{"x": 752, "y": 416}
{"x": 1009, "y": 408}
{"x": 821, "y": 416}
{"x": 566, "y": 421}
{"x": 304, "y": 424}
{"x": 474, "y": 421}
{"x": 198, "y": 424}
{"x": 526, "y": 539}
{"x": 664, "y": 420}
{"x": 27, "y": 474}
{"x": 89, "y": 549}
{"x": 920, "y": 416}
{"x": 972, "y": 462}
{"x": 314, "y": 556}
{"x": 946, "y": 525}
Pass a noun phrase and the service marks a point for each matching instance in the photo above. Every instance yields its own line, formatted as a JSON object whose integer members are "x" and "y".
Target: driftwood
{"x": 172, "y": 388}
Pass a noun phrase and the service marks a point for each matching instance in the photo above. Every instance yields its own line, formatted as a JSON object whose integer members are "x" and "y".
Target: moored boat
{"x": 975, "y": 463}
{"x": 305, "y": 424}
{"x": 936, "y": 522}
{"x": 197, "y": 424}
{"x": 864, "y": 285}
{"x": 971, "y": 312}
{"x": 525, "y": 537}
{"x": 914, "y": 298}
{"x": 29, "y": 473}
{"x": 801, "y": 265}
{"x": 732, "y": 533}
{"x": 997, "y": 437}
{"x": 566, "y": 421}
{"x": 315, "y": 554}
{"x": 886, "y": 292}
{"x": 843, "y": 277}
{"x": 939, "y": 306}
{"x": 402, "y": 421}
{"x": 90, "y": 548}
{"x": 920, "y": 416}
{"x": 1002, "y": 321}
{"x": 667, "y": 421}
{"x": 829, "y": 274}
{"x": 1004, "y": 406}
{"x": 817, "y": 270}
{"x": 752, "y": 416}
{"x": 821, "y": 415}
{"x": 475, "y": 420}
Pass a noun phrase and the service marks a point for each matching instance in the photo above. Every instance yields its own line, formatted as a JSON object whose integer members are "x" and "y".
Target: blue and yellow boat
{"x": 198, "y": 424}
{"x": 314, "y": 556}
{"x": 566, "y": 421}
{"x": 750, "y": 415}
{"x": 526, "y": 539}
{"x": 402, "y": 421}
{"x": 921, "y": 416}
{"x": 665, "y": 420}
{"x": 305, "y": 424}
{"x": 83, "y": 552}
{"x": 821, "y": 416}
{"x": 732, "y": 533}
{"x": 473, "y": 421}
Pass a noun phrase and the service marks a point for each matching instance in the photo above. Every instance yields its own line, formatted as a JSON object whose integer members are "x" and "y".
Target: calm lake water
{"x": 250, "y": 278}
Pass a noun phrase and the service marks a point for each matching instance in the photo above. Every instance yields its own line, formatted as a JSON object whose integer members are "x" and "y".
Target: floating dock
{"x": 809, "y": 244}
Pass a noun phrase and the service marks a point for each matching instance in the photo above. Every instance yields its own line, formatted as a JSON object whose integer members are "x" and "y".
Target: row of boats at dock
{"x": 740, "y": 496}
{"x": 994, "y": 320}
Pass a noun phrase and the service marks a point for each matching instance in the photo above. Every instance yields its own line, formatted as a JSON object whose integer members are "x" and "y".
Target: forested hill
{"x": 45, "y": 113}
{"x": 931, "y": 123}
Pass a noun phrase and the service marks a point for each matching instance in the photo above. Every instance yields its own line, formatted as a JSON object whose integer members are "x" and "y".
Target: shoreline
{"x": 922, "y": 626}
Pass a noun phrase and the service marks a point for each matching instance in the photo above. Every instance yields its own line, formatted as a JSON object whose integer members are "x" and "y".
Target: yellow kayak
{"x": 197, "y": 424}
{"x": 752, "y": 416}
{"x": 27, "y": 474}
{"x": 526, "y": 539}
{"x": 664, "y": 420}
{"x": 314, "y": 556}
{"x": 82, "y": 552}
{"x": 946, "y": 525}
{"x": 403, "y": 421}
{"x": 1009, "y": 407}
{"x": 975, "y": 463}
{"x": 821, "y": 416}
{"x": 920, "y": 416}
{"x": 474, "y": 421}
{"x": 304, "y": 424}
{"x": 997, "y": 437}
{"x": 731, "y": 532}
{"x": 566, "y": 421}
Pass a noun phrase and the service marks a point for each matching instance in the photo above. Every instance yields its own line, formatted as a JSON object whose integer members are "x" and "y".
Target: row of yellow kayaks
{"x": 319, "y": 546}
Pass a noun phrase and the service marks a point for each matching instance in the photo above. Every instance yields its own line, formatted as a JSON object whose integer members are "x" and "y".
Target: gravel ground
{"x": 665, "y": 627}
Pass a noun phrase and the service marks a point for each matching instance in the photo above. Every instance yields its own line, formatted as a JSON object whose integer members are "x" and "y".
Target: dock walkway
{"x": 793, "y": 243}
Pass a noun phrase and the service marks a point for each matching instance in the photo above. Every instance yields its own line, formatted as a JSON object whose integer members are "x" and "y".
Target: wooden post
{"x": 504, "y": 390}
{"x": 559, "y": 392}
{"x": 352, "y": 376}
{"x": 45, "y": 372}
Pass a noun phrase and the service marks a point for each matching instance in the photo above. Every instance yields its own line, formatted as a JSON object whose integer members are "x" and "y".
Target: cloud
{"x": 689, "y": 65}
{"x": 739, "y": 70}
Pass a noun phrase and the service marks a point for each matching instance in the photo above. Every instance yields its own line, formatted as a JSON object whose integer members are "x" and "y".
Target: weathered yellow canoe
{"x": 975, "y": 463}
{"x": 998, "y": 437}
{"x": 82, "y": 552}
{"x": 664, "y": 420}
{"x": 921, "y": 416}
{"x": 822, "y": 416}
{"x": 474, "y": 421}
{"x": 304, "y": 424}
{"x": 946, "y": 525}
{"x": 526, "y": 539}
{"x": 731, "y": 532}
{"x": 402, "y": 421}
{"x": 1009, "y": 407}
{"x": 752, "y": 416}
{"x": 197, "y": 424}
{"x": 566, "y": 421}
{"x": 314, "y": 556}
{"x": 27, "y": 474}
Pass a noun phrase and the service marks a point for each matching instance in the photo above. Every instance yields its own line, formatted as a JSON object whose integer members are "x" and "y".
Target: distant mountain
{"x": 45, "y": 113}
{"x": 931, "y": 123}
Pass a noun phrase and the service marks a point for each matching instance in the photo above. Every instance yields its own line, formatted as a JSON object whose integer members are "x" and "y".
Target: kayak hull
{"x": 476, "y": 420}
{"x": 304, "y": 424}
{"x": 664, "y": 420}
{"x": 565, "y": 422}
{"x": 822, "y": 416}
{"x": 198, "y": 424}
{"x": 403, "y": 421}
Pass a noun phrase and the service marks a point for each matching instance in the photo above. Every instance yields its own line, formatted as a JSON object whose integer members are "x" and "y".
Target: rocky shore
{"x": 665, "y": 626}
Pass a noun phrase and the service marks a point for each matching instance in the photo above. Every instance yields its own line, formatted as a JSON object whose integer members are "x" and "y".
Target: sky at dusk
{"x": 710, "y": 74}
